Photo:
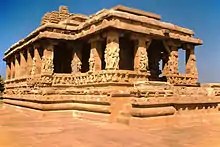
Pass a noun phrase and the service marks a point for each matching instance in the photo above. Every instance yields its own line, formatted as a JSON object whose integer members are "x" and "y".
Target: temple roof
{"x": 64, "y": 25}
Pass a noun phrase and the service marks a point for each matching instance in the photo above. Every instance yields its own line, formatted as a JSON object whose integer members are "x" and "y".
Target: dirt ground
{"x": 20, "y": 127}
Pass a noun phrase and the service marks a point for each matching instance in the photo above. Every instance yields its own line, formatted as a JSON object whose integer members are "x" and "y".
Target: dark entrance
{"x": 126, "y": 53}
{"x": 85, "y": 57}
{"x": 157, "y": 57}
{"x": 62, "y": 58}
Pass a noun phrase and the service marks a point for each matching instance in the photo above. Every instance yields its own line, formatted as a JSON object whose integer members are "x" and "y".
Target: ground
{"x": 21, "y": 127}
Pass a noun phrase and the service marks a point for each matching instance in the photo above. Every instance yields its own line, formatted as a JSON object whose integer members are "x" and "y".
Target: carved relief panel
{"x": 112, "y": 51}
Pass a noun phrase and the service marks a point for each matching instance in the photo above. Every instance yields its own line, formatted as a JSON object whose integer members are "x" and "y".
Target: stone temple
{"x": 119, "y": 65}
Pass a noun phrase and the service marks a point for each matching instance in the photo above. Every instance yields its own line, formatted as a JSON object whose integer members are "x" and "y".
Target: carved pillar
{"x": 12, "y": 68}
{"x": 172, "y": 66}
{"x": 47, "y": 59}
{"x": 112, "y": 51}
{"x": 23, "y": 64}
{"x": 8, "y": 69}
{"x": 76, "y": 62}
{"x": 37, "y": 57}
{"x": 140, "y": 54}
{"x": 95, "y": 61}
{"x": 191, "y": 68}
{"x": 29, "y": 60}
{"x": 17, "y": 65}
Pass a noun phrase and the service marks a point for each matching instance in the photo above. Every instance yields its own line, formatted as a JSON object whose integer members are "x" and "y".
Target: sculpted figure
{"x": 191, "y": 66}
{"x": 143, "y": 65}
{"x": 91, "y": 63}
{"x": 47, "y": 65}
{"x": 112, "y": 57}
{"x": 172, "y": 65}
{"x": 33, "y": 69}
{"x": 76, "y": 65}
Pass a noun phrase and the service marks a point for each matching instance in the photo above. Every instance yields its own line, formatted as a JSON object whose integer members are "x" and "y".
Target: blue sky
{"x": 19, "y": 17}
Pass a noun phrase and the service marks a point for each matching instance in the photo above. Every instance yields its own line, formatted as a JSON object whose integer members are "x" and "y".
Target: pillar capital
{"x": 188, "y": 46}
{"x": 140, "y": 37}
{"x": 36, "y": 45}
{"x": 49, "y": 45}
{"x": 95, "y": 39}
{"x": 174, "y": 44}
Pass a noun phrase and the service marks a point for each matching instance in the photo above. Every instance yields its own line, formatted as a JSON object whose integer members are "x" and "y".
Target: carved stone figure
{"x": 91, "y": 62}
{"x": 172, "y": 65}
{"x": 191, "y": 66}
{"x": 112, "y": 52}
{"x": 47, "y": 65}
{"x": 136, "y": 90}
{"x": 33, "y": 69}
{"x": 76, "y": 65}
{"x": 143, "y": 64}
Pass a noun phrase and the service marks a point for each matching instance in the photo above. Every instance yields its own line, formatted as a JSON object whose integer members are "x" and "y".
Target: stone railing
{"x": 182, "y": 80}
{"x": 40, "y": 81}
{"x": 80, "y": 79}
{"x": 100, "y": 77}
{"x": 19, "y": 82}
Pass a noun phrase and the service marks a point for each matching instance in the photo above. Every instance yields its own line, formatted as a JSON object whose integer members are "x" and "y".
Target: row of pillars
{"x": 37, "y": 60}
{"x": 27, "y": 62}
{"x": 111, "y": 54}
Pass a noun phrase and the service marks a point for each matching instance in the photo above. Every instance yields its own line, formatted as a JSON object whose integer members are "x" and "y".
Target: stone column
{"x": 29, "y": 61}
{"x": 140, "y": 54}
{"x": 17, "y": 65}
{"x": 23, "y": 64}
{"x": 172, "y": 66}
{"x": 112, "y": 51}
{"x": 95, "y": 61}
{"x": 76, "y": 62}
{"x": 191, "y": 68}
{"x": 47, "y": 59}
{"x": 12, "y": 68}
{"x": 8, "y": 69}
{"x": 37, "y": 58}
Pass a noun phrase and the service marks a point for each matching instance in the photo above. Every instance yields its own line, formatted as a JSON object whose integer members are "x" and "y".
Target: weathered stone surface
{"x": 125, "y": 68}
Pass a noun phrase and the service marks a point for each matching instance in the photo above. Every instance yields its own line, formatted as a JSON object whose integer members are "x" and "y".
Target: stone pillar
{"x": 37, "y": 58}
{"x": 47, "y": 59}
{"x": 191, "y": 68}
{"x": 29, "y": 61}
{"x": 17, "y": 65}
{"x": 140, "y": 54}
{"x": 112, "y": 51}
{"x": 12, "y": 68}
{"x": 172, "y": 66}
{"x": 23, "y": 64}
{"x": 76, "y": 62}
{"x": 8, "y": 69}
{"x": 95, "y": 61}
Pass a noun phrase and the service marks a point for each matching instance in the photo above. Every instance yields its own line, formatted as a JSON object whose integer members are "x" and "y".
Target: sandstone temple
{"x": 119, "y": 65}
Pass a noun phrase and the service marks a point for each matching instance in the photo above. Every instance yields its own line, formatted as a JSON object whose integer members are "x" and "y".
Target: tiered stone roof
{"x": 64, "y": 25}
